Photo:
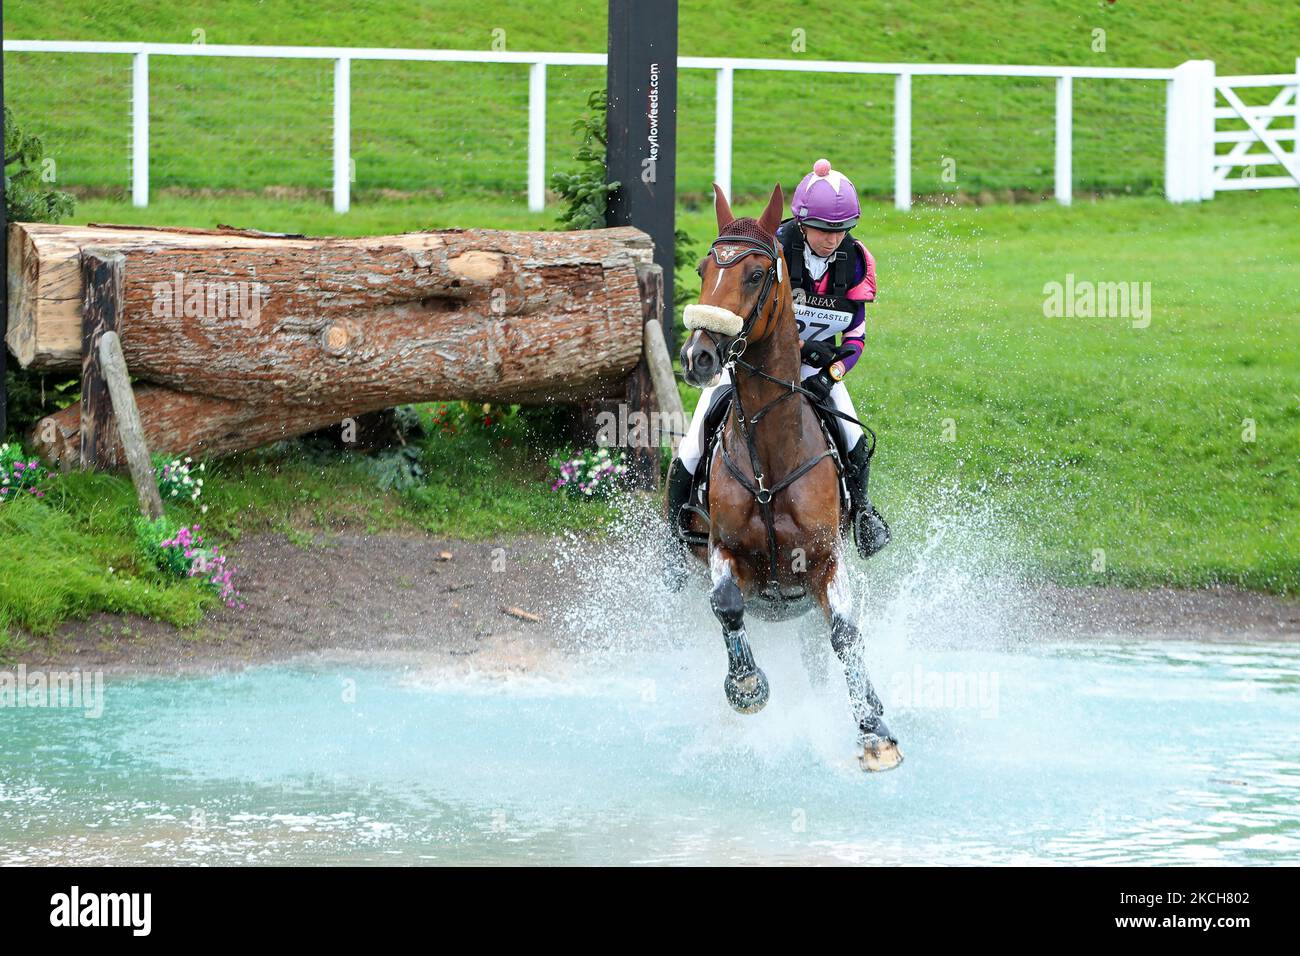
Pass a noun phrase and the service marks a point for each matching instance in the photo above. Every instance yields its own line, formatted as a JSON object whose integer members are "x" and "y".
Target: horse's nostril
{"x": 704, "y": 360}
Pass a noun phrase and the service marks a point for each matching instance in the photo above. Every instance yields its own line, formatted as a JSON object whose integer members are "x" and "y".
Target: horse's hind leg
{"x": 746, "y": 684}
{"x": 879, "y": 747}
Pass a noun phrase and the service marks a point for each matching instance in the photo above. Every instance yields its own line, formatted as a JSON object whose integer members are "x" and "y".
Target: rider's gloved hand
{"x": 820, "y": 385}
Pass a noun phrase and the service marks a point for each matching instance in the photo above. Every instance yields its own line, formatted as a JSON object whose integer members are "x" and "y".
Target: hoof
{"x": 879, "y": 753}
{"x": 747, "y": 693}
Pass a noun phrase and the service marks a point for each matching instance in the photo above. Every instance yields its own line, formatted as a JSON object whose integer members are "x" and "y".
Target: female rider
{"x": 832, "y": 277}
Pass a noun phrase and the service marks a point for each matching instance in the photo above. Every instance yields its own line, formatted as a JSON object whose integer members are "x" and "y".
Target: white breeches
{"x": 692, "y": 446}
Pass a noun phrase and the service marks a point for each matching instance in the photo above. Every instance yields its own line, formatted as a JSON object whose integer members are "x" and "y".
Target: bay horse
{"x": 775, "y": 522}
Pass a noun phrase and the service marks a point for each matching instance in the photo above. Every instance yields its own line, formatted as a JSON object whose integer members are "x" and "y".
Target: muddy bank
{"x": 502, "y": 600}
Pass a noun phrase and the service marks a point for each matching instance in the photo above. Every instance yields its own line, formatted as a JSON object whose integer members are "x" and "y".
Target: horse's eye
{"x": 756, "y": 275}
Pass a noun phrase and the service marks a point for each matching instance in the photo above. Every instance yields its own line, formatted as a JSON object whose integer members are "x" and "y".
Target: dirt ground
{"x": 458, "y": 599}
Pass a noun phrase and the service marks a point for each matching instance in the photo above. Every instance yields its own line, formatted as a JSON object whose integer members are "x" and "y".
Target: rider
{"x": 832, "y": 276}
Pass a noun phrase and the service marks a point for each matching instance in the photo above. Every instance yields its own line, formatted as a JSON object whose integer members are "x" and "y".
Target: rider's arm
{"x": 854, "y": 338}
{"x": 863, "y": 291}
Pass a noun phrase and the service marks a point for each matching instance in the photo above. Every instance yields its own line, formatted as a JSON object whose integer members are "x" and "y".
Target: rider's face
{"x": 821, "y": 241}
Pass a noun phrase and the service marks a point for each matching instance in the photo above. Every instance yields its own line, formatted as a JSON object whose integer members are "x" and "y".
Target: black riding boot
{"x": 679, "y": 492}
{"x": 869, "y": 527}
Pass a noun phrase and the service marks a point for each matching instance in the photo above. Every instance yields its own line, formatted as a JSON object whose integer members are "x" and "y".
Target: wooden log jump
{"x": 238, "y": 338}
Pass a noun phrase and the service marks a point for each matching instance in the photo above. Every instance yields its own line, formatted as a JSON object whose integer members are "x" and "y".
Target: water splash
{"x": 620, "y": 748}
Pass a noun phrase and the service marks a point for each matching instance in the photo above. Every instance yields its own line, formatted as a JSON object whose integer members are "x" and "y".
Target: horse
{"x": 775, "y": 530}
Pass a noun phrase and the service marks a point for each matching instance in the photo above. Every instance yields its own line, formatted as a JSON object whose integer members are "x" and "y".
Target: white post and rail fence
{"x": 1194, "y": 169}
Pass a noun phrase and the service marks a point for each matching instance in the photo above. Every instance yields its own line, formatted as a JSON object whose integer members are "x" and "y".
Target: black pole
{"x": 4, "y": 256}
{"x": 642, "y": 141}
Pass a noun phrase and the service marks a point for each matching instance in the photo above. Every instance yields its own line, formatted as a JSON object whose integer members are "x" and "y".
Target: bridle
{"x": 725, "y": 258}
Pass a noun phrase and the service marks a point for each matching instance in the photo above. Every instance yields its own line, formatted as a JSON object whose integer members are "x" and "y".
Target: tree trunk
{"x": 246, "y": 337}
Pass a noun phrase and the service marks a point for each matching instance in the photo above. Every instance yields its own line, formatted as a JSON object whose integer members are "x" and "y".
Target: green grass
{"x": 475, "y": 487}
{"x": 74, "y": 552}
{"x": 1090, "y": 433}
{"x": 454, "y": 128}
{"x": 1080, "y": 433}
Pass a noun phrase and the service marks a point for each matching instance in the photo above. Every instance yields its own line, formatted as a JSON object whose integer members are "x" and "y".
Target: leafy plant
{"x": 399, "y": 469}
{"x": 28, "y": 195}
{"x": 590, "y": 474}
{"x": 685, "y": 259}
{"x": 584, "y": 191}
{"x": 178, "y": 478}
{"x": 19, "y": 474}
{"x": 179, "y": 550}
{"x": 29, "y": 198}
{"x": 409, "y": 422}
{"x": 150, "y": 535}
{"x": 504, "y": 422}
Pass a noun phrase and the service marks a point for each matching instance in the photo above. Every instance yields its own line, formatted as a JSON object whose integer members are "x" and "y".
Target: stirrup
{"x": 686, "y": 536}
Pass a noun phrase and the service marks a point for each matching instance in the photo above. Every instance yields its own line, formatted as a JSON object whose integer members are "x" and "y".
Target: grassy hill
{"x": 266, "y": 125}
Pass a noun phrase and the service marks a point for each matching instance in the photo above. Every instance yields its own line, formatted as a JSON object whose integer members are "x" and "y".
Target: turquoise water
{"x": 1151, "y": 753}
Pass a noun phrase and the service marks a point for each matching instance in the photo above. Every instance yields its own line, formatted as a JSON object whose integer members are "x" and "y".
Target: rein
{"x": 733, "y": 359}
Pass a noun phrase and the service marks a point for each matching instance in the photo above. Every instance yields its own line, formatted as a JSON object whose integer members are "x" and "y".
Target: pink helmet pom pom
{"x": 822, "y": 167}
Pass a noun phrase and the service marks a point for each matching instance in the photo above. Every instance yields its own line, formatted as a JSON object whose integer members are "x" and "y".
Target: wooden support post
{"x": 101, "y": 278}
{"x": 671, "y": 414}
{"x": 106, "y": 395}
{"x": 642, "y": 440}
{"x": 112, "y": 365}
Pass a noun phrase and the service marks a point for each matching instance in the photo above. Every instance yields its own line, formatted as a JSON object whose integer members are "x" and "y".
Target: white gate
{"x": 1270, "y": 135}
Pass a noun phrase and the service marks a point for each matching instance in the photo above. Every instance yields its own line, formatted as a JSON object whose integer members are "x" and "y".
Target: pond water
{"x": 1103, "y": 752}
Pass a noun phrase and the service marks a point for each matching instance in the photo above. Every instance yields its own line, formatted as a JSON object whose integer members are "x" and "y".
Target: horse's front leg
{"x": 746, "y": 684}
{"x": 879, "y": 747}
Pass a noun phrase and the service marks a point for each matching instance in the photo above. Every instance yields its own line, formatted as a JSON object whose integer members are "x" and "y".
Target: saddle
{"x": 715, "y": 419}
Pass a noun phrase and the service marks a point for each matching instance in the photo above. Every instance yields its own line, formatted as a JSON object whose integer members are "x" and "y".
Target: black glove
{"x": 820, "y": 385}
{"x": 823, "y": 354}
{"x": 817, "y": 354}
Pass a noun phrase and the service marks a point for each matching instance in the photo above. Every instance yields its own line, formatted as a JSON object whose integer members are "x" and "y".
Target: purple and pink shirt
{"x": 861, "y": 292}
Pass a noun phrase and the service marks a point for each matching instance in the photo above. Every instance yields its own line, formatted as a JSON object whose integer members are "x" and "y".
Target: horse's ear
{"x": 771, "y": 217}
{"x": 722, "y": 207}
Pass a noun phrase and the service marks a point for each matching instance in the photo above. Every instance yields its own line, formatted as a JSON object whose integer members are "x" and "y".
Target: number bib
{"x": 822, "y": 316}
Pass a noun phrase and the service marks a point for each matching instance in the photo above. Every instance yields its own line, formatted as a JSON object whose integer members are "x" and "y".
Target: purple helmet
{"x": 825, "y": 199}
